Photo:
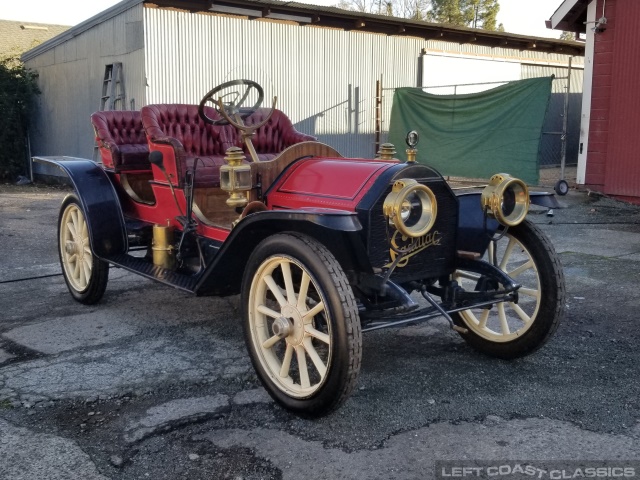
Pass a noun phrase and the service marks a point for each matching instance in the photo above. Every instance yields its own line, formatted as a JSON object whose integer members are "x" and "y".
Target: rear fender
{"x": 99, "y": 203}
{"x": 340, "y": 232}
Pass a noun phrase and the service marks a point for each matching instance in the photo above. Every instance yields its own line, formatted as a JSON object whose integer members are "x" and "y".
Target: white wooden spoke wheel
{"x": 506, "y": 321}
{"x": 513, "y": 329}
{"x": 302, "y": 327}
{"x": 75, "y": 251}
{"x": 288, "y": 320}
{"x": 86, "y": 275}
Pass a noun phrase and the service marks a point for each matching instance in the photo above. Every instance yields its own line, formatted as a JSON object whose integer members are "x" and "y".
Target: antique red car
{"x": 231, "y": 199}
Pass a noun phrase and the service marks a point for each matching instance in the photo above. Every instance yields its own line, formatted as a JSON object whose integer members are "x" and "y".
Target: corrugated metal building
{"x": 323, "y": 63}
{"x": 609, "y": 141}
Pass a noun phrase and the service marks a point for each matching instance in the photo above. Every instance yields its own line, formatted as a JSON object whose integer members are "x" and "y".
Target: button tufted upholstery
{"x": 121, "y": 140}
{"x": 181, "y": 127}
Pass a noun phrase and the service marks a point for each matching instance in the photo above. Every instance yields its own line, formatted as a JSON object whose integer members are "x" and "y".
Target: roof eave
{"x": 76, "y": 30}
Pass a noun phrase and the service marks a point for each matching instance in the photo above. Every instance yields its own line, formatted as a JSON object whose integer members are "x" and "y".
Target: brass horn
{"x": 506, "y": 199}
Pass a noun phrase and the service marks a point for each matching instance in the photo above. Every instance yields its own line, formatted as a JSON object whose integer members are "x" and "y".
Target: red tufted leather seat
{"x": 121, "y": 140}
{"x": 181, "y": 127}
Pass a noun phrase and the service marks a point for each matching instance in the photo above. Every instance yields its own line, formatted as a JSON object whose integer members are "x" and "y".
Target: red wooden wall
{"x": 613, "y": 160}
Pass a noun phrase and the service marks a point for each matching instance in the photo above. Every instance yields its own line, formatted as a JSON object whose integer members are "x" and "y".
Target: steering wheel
{"x": 231, "y": 103}
{"x": 229, "y": 106}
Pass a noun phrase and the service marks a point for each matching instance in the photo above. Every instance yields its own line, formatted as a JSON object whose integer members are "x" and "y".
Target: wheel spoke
{"x": 483, "y": 318}
{"x": 468, "y": 275}
{"x": 286, "y": 361}
{"x": 76, "y": 269}
{"x": 302, "y": 367}
{"x": 313, "y": 312}
{"x": 267, "y": 311}
{"x": 275, "y": 289}
{"x": 521, "y": 313}
{"x": 72, "y": 229}
{"x": 84, "y": 231}
{"x": 503, "y": 319}
{"x": 529, "y": 292}
{"x": 507, "y": 253}
{"x": 82, "y": 278}
{"x": 323, "y": 337}
{"x": 490, "y": 251}
{"x": 76, "y": 224}
{"x": 520, "y": 269}
{"x": 271, "y": 342}
{"x": 87, "y": 272}
{"x": 304, "y": 290}
{"x": 288, "y": 282}
{"x": 315, "y": 358}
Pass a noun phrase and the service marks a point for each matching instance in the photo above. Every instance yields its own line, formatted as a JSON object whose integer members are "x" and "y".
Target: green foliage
{"x": 18, "y": 87}
{"x": 412, "y": 9}
{"x": 568, "y": 36}
{"x": 464, "y": 13}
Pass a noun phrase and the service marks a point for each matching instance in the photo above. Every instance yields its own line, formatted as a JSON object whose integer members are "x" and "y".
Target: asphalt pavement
{"x": 154, "y": 383}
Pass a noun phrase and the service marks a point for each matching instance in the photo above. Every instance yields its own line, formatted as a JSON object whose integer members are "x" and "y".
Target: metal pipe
{"x": 565, "y": 121}
{"x": 428, "y": 315}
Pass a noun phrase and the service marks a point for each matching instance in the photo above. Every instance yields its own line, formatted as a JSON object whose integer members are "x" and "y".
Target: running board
{"x": 149, "y": 270}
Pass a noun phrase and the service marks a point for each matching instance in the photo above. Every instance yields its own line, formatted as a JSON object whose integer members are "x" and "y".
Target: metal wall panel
{"x": 324, "y": 78}
{"x": 622, "y": 169}
{"x": 71, "y": 84}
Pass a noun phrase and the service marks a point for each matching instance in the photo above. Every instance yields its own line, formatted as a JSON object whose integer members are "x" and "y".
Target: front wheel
{"x": 301, "y": 324}
{"x": 511, "y": 330}
{"x": 85, "y": 274}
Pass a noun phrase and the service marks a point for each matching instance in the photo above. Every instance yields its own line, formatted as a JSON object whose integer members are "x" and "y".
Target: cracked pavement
{"x": 154, "y": 383}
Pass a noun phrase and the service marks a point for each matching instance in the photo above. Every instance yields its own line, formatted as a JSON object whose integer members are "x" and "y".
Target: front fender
{"x": 340, "y": 232}
{"x": 474, "y": 232}
{"x": 99, "y": 203}
{"x": 473, "y": 235}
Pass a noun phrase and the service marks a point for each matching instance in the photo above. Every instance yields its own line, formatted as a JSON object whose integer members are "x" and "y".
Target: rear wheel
{"x": 510, "y": 330}
{"x": 301, "y": 324}
{"x": 85, "y": 274}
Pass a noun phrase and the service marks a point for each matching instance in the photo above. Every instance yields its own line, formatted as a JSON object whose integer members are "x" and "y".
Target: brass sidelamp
{"x": 235, "y": 178}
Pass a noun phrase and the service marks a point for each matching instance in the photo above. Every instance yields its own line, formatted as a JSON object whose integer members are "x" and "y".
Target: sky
{"x": 525, "y": 17}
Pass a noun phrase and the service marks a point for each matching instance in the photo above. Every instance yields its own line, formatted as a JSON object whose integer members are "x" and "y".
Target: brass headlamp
{"x": 506, "y": 199}
{"x": 235, "y": 178}
{"x": 411, "y": 207}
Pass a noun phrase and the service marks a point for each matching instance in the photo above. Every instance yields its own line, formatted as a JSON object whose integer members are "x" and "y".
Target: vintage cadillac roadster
{"x": 230, "y": 199}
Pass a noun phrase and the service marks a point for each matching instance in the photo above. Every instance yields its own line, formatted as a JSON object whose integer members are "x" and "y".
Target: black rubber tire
{"x": 341, "y": 309}
{"x": 561, "y": 187}
{"x": 552, "y": 305}
{"x": 99, "y": 274}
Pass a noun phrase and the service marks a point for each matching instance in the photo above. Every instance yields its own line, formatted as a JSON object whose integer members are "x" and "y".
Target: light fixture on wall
{"x": 600, "y": 24}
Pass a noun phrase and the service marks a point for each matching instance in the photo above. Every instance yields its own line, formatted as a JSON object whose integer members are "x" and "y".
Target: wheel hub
{"x": 70, "y": 247}
{"x": 293, "y": 317}
{"x": 281, "y": 327}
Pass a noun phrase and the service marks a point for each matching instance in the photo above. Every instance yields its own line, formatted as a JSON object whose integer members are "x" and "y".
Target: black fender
{"x": 340, "y": 232}
{"x": 100, "y": 204}
{"x": 474, "y": 232}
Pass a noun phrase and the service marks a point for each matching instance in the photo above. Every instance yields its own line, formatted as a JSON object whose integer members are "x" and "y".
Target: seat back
{"x": 121, "y": 140}
{"x": 277, "y": 134}
{"x": 183, "y": 123}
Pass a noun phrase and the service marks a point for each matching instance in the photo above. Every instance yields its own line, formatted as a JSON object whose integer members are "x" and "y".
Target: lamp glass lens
{"x": 225, "y": 180}
{"x": 243, "y": 179}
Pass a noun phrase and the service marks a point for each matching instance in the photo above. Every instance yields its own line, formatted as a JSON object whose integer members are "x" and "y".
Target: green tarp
{"x": 475, "y": 135}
